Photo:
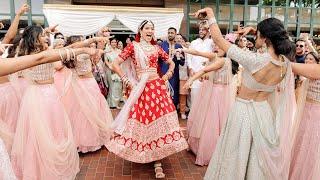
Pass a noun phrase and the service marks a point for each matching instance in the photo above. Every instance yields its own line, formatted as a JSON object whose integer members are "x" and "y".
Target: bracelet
{"x": 125, "y": 80}
{"x": 169, "y": 74}
{"x": 212, "y": 21}
{"x": 68, "y": 55}
{"x": 61, "y": 57}
{"x": 74, "y": 54}
{"x": 122, "y": 77}
{"x": 215, "y": 56}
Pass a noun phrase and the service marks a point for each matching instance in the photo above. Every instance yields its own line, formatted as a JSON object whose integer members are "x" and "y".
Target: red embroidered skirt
{"x": 152, "y": 131}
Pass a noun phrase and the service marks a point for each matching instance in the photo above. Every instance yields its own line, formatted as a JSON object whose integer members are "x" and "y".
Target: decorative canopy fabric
{"x": 87, "y": 20}
{"x": 161, "y": 21}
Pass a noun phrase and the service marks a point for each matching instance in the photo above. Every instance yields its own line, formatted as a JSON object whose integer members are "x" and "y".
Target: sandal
{"x": 157, "y": 164}
{"x": 159, "y": 171}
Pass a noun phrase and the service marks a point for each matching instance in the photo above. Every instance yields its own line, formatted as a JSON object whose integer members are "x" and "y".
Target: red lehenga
{"x": 150, "y": 128}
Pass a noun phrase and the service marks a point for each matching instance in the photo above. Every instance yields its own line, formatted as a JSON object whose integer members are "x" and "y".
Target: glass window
{"x": 4, "y": 6}
{"x": 306, "y": 14}
{"x": 37, "y": 6}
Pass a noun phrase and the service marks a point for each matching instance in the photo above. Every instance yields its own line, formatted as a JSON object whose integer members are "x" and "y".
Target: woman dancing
{"x": 209, "y": 111}
{"x": 306, "y": 148}
{"x": 43, "y": 145}
{"x": 87, "y": 108}
{"x": 147, "y": 127}
{"x": 257, "y": 139}
{"x": 61, "y": 72}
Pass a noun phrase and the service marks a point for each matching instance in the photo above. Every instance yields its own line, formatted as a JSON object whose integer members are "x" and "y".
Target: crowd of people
{"x": 251, "y": 99}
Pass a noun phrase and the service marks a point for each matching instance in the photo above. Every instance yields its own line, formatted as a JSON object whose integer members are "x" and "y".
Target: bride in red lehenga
{"x": 147, "y": 128}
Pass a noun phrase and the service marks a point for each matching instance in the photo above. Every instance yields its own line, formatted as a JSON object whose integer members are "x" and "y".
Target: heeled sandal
{"x": 159, "y": 171}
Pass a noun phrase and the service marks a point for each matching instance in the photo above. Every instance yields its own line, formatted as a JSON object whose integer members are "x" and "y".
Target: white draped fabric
{"x": 89, "y": 21}
{"x": 161, "y": 21}
{"x": 78, "y": 22}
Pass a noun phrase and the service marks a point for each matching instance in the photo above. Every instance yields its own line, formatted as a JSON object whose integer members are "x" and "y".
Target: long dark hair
{"x": 273, "y": 30}
{"x": 13, "y": 49}
{"x": 30, "y": 42}
{"x": 73, "y": 39}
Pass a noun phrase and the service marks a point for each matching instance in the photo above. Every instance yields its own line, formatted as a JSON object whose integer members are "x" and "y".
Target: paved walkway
{"x": 103, "y": 165}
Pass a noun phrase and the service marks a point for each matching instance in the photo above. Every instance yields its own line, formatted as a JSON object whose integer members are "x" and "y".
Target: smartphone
{"x": 241, "y": 23}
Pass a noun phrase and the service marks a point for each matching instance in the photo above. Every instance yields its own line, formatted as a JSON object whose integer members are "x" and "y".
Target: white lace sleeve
{"x": 6, "y": 172}
{"x": 249, "y": 60}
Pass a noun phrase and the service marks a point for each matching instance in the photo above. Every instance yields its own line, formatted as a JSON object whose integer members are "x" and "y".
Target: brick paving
{"x": 103, "y": 165}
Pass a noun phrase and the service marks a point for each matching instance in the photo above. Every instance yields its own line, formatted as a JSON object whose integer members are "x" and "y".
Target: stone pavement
{"x": 103, "y": 165}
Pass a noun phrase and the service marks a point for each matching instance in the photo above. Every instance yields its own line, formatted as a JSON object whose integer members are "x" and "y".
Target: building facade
{"x": 297, "y": 17}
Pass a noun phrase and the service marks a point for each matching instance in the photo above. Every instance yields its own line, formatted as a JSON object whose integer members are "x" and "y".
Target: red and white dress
{"x": 152, "y": 130}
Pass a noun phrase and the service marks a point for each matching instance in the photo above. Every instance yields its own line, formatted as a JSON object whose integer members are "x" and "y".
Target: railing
{"x": 295, "y": 19}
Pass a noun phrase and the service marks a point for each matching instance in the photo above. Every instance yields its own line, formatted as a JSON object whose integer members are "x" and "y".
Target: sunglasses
{"x": 301, "y": 46}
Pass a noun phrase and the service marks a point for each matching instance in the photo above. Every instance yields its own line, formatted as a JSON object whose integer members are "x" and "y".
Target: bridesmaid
{"x": 43, "y": 146}
{"x": 210, "y": 108}
{"x": 61, "y": 72}
{"x": 87, "y": 108}
{"x": 256, "y": 141}
{"x": 306, "y": 148}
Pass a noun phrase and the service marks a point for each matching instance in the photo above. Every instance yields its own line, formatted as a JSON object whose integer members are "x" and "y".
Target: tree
{"x": 305, "y": 3}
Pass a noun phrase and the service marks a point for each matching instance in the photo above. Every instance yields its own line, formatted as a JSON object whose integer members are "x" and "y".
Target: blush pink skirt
{"x": 206, "y": 120}
{"x": 306, "y": 148}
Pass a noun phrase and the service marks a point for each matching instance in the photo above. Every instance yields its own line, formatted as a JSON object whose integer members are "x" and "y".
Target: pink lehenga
{"x": 9, "y": 110}
{"x": 87, "y": 108}
{"x": 147, "y": 126}
{"x": 6, "y": 172}
{"x": 43, "y": 145}
{"x": 209, "y": 113}
{"x": 60, "y": 78}
{"x": 19, "y": 83}
{"x": 306, "y": 148}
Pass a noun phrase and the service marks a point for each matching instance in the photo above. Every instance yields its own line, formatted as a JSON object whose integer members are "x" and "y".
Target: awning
{"x": 87, "y": 20}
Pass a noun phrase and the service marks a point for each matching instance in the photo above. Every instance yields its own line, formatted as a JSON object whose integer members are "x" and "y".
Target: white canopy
{"x": 87, "y": 20}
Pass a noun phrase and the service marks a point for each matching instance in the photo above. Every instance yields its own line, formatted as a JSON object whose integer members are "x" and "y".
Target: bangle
{"x": 68, "y": 54}
{"x": 215, "y": 56}
{"x": 61, "y": 57}
{"x": 122, "y": 77}
{"x": 74, "y": 54}
{"x": 212, "y": 21}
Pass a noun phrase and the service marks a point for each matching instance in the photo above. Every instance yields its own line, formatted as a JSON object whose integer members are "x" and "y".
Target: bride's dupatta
{"x": 119, "y": 124}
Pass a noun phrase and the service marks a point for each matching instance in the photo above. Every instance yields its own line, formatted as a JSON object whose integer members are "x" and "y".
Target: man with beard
{"x": 300, "y": 50}
{"x": 169, "y": 47}
{"x": 195, "y": 63}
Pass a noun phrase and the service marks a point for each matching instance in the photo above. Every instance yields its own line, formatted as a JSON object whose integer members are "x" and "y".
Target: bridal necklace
{"x": 146, "y": 46}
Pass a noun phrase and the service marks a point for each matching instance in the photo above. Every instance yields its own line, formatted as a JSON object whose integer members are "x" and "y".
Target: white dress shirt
{"x": 196, "y": 63}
